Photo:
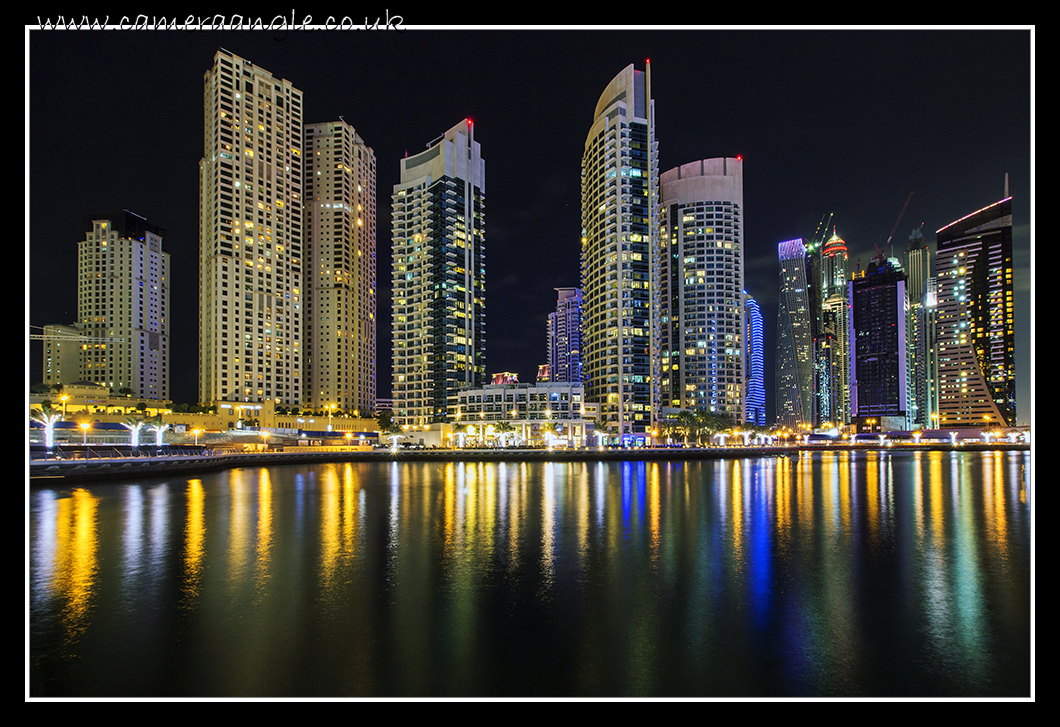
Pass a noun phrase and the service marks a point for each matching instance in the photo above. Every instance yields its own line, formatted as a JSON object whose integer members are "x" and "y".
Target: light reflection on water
{"x": 834, "y": 574}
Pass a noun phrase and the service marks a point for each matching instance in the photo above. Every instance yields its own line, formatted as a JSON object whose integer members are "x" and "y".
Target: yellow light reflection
{"x": 75, "y": 559}
{"x": 194, "y": 541}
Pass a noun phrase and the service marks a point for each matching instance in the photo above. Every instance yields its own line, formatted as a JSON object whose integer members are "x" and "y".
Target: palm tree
{"x": 47, "y": 416}
{"x": 713, "y": 422}
{"x": 504, "y": 429}
{"x": 134, "y": 424}
{"x": 159, "y": 429}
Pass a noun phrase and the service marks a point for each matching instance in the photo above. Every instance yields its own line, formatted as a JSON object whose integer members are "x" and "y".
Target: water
{"x": 848, "y": 574}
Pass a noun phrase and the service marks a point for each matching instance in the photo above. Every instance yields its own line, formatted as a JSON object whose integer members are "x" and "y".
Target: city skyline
{"x": 534, "y": 199}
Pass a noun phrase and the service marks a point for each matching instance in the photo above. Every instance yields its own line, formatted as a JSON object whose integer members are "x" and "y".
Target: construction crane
{"x": 822, "y": 230}
{"x": 82, "y": 339}
{"x": 896, "y": 223}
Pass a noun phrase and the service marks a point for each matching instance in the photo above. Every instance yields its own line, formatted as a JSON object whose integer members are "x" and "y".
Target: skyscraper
{"x": 250, "y": 236}
{"x": 565, "y": 337}
{"x": 701, "y": 287}
{"x": 832, "y": 384}
{"x": 123, "y": 305}
{"x": 794, "y": 363}
{"x": 340, "y": 285}
{"x": 439, "y": 277}
{"x": 918, "y": 268}
{"x": 880, "y": 393}
{"x": 755, "y": 399}
{"x": 619, "y": 183}
{"x": 976, "y": 326}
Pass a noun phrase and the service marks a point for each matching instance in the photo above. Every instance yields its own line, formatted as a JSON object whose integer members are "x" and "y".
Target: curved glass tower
{"x": 619, "y": 183}
{"x": 976, "y": 329}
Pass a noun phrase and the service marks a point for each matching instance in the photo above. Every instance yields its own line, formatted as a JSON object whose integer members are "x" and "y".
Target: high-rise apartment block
{"x": 250, "y": 236}
{"x": 62, "y": 353}
{"x": 619, "y": 201}
{"x": 795, "y": 352}
{"x": 976, "y": 331}
{"x": 339, "y": 278}
{"x": 123, "y": 305}
{"x": 439, "y": 296}
{"x": 701, "y": 287}
{"x": 565, "y": 337}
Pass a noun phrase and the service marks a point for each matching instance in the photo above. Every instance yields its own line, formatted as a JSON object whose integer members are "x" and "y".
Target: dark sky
{"x": 847, "y": 122}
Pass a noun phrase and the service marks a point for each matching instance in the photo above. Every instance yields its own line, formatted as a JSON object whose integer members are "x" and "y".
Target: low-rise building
{"x": 526, "y": 414}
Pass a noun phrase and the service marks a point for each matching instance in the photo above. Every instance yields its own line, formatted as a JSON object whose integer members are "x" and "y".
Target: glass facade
{"x": 975, "y": 319}
{"x": 439, "y": 293}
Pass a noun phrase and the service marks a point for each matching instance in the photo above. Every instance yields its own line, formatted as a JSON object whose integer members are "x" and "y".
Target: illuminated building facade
{"x": 62, "y": 353}
{"x": 123, "y": 305}
{"x": 527, "y": 413}
{"x": 439, "y": 295}
{"x": 565, "y": 337}
{"x": 754, "y": 358}
{"x": 250, "y": 236}
{"x": 975, "y": 319}
{"x": 795, "y": 360}
{"x": 340, "y": 284}
{"x": 618, "y": 202}
{"x": 917, "y": 264}
{"x": 701, "y": 287}
{"x": 879, "y": 353}
{"x": 832, "y": 379}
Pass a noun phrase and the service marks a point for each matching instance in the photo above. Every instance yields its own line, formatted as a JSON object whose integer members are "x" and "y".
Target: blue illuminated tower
{"x": 755, "y": 399}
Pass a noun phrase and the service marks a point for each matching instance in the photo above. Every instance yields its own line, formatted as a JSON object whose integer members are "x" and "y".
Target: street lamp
{"x": 84, "y": 431}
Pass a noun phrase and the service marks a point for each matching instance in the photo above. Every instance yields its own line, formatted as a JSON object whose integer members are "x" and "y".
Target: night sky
{"x": 847, "y": 122}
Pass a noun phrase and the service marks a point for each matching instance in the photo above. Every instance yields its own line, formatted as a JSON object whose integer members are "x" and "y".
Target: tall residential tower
{"x": 123, "y": 305}
{"x": 619, "y": 201}
{"x": 565, "y": 337}
{"x": 250, "y": 236}
{"x": 340, "y": 285}
{"x": 701, "y": 287}
{"x": 439, "y": 277}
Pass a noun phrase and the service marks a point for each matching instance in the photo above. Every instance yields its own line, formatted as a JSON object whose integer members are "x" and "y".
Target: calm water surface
{"x": 836, "y": 574}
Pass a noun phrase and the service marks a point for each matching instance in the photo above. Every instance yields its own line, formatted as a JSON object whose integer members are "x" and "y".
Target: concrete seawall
{"x": 50, "y": 471}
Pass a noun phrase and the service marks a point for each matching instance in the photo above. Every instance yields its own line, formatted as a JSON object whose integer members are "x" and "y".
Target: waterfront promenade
{"x": 151, "y": 462}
